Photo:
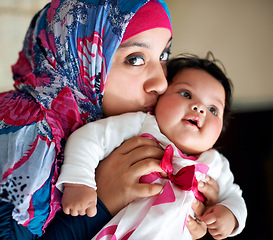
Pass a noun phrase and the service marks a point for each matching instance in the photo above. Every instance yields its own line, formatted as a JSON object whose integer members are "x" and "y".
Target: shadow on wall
{"x": 248, "y": 144}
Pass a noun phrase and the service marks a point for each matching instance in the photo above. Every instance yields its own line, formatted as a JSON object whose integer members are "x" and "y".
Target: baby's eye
{"x": 135, "y": 60}
{"x": 164, "y": 56}
{"x": 213, "y": 110}
{"x": 185, "y": 94}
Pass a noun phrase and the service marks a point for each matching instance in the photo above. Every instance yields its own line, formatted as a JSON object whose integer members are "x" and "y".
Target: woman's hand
{"x": 210, "y": 190}
{"x": 117, "y": 176}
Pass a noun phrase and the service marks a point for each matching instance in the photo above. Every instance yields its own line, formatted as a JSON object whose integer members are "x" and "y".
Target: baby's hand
{"x": 220, "y": 221}
{"x": 79, "y": 199}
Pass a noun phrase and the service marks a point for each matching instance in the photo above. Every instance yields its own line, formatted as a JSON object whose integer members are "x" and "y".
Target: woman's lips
{"x": 149, "y": 109}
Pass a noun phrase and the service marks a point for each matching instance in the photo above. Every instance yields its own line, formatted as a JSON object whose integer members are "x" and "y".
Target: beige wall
{"x": 15, "y": 16}
{"x": 238, "y": 32}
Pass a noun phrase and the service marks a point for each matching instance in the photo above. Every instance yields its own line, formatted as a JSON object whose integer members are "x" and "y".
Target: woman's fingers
{"x": 118, "y": 175}
{"x": 143, "y": 190}
{"x": 136, "y": 142}
{"x": 145, "y": 153}
{"x": 144, "y": 167}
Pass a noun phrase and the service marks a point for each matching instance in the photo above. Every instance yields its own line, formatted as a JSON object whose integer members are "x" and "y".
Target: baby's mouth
{"x": 193, "y": 122}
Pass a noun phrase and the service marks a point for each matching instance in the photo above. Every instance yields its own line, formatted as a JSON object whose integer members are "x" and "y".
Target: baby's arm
{"x": 83, "y": 151}
{"x": 228, "y": 217}
{"x": 79, "y": 199}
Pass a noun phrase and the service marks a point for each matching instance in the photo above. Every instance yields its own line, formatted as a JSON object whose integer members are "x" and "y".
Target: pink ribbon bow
{"x": 185, "y": 178}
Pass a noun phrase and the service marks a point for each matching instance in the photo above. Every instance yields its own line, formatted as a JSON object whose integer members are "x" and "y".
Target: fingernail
{"x": 188, "y": 219}
{"x": 207, "y": 178}
{"x": 201, "y": 184}
{"x": 195, "y": 200}
{"x": 161, "y": 191}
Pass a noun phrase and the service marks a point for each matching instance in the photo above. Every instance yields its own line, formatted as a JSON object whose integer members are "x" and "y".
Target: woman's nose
{"x": 157, "y": 81}
{"x": 199, "y": 108}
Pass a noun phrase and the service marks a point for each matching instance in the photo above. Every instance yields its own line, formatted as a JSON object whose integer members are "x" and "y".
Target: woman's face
{"x": 138, "y": 73}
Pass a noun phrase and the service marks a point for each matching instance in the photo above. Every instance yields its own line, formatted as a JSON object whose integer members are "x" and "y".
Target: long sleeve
{"x": 230, "y": 194}
{"x": 94, "y": 142}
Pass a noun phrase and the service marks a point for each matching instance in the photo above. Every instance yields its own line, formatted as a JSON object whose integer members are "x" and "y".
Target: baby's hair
{"x": 211, "y": 66}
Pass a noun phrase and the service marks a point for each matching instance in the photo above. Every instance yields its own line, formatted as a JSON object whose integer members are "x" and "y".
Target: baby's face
{"x": 190, "y": 112}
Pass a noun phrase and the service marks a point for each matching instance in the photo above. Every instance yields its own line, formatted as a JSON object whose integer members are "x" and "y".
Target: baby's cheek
{"x": 216, "y": 130}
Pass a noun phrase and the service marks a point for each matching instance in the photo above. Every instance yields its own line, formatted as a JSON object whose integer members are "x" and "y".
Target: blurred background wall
{"x": 15, "y": 17}
{"x": 239, "y": 33}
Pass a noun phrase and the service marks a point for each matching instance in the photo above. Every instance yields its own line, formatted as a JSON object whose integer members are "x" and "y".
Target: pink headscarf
{"x": 151, "y": 15}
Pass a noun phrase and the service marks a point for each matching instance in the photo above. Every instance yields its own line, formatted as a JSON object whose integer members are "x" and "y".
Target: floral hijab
{"x": 59, "y": 84}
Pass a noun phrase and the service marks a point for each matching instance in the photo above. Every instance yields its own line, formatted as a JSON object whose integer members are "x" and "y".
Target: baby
{"x": 187, "y": 121}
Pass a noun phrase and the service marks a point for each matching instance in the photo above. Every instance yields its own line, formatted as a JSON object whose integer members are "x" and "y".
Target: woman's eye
{"x": 185, "y": 94}
{"x": 135, "y": 60}
{"x": 213, "y": 110}
{"x": 164, "y": 56}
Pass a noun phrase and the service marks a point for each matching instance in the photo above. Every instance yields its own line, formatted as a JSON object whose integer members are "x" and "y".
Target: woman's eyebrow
{"x": 138, "y": 44}
{"x": 171, "y": 38}
{"x": 134, "y": 44}
{"x": 168, "y": 44}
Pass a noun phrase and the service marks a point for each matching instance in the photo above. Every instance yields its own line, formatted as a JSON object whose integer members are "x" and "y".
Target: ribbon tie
{"x": 185, "y": 178}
